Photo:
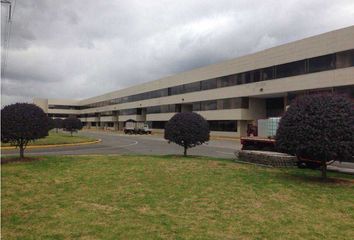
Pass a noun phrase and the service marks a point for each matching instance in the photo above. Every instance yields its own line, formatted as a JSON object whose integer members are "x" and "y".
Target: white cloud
{"x": 79, "y": 49}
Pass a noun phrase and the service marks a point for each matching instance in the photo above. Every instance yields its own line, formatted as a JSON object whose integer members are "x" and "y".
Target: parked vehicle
{"x": 261, "y": 137}
{"x": 134, "y": 127}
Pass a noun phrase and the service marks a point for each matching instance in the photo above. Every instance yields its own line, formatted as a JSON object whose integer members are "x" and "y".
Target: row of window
{"x": 322, "y": 63}
{"x": 227, "y": 103}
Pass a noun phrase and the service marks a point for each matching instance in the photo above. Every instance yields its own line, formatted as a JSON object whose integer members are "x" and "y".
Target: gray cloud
{"x": 78, "y": 49}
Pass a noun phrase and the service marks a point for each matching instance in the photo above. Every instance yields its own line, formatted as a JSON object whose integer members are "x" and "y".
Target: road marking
{"x": 127, "y": 145}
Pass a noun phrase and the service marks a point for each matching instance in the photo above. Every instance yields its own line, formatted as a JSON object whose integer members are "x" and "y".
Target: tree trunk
{"x": 324, "y": 170}
{"x": 56, "y": 130}
{"x": 22, "y": 150}
{"x": 71, "y": 133}
{"x": 185, "y": 152}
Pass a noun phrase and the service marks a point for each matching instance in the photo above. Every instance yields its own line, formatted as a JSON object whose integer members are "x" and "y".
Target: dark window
{"x": 177, "y": 90}
{"x": 63, "y": 107}
{"x": 208, "y": 84}
{"x": 256, "y": 75}
{"x": 192, "y": 87}
{"x": 243, "y": 78}
{"x": 158, "y": 124}
{"x": 274, "y": 107}
{"x": 196, "y": 106}
{"x": 233, "y": 103}
{"x": 108, "y": 113}
{"x": 178, "y": 107}
{"x": 245, "y": 102}
{"x": 345, "y": 59}
{"x": 154, "y": 109}
{"x": 110, "y": 124}
{"x": 290, "y": 69}
{"x": 172, "y": 108}
{"x": 226, "y": 81}
{"x": 268, "y": 73}
{"x": 322, "y": 63}
{"x": 240, "y": 78}
{"x": 132, "y": 111}
{"x": 208, "y": 105}
{"x": 223, "y": 125}
{"x": 165, "y": 108}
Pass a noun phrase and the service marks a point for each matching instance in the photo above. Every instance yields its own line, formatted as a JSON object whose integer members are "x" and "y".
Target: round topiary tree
{"x": 51, "y": 123}
{"x": 318, "y": 128}
{"x": 187, "y": 129}
{"x": 22, "y": 123}
{"x": 72, "y": 124}
{"x": 58, "y": 124}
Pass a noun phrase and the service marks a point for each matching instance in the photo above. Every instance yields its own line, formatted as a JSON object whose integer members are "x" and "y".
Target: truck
{"x": 134, "y": 127}
{"x": 261, "y": 137}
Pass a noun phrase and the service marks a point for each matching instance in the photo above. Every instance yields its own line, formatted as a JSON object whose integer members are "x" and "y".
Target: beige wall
{"x": 339, "y": 77}
{"x": 42, "y": 103}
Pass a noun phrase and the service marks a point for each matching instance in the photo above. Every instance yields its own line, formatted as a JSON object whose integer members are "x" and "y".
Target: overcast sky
{"x": 84, "y": 48}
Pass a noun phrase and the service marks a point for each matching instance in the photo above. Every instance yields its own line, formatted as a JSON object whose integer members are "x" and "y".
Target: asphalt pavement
{"x": 117, "y": 143}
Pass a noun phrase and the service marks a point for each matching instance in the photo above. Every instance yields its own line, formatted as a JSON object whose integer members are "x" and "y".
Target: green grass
{"x": 150, "y": 197}
{"x": 58, "y": 138}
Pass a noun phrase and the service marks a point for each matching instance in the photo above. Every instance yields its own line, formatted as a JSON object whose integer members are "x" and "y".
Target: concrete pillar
{"x": 120, "y": 125}
{"x": 116, "y": 126}
{"x": 242, "y": 128}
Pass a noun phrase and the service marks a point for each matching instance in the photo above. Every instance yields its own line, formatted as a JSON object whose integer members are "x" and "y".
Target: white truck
{"x": 133, "y": 127}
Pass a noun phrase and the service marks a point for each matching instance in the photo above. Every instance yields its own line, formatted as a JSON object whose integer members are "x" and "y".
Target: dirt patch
{"x": 319, "y": 180}
{"x": 17, "y": 159}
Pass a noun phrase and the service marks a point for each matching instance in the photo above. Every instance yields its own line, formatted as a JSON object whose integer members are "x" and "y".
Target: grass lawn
{"x": 168, "y": 197}
{"x": 59, "y": 138}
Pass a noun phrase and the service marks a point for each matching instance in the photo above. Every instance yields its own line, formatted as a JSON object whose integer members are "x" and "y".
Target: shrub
{"x": 22, "y": 123}
{"x": 51, "y": 123}
{"x": 318, "y": 127}
{"x": 187, "y": 129}
{"x": 72, "y": 124}
{"x": 58, "y": 123}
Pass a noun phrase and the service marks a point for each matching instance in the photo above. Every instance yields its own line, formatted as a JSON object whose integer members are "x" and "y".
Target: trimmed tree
{"x": 22, "y": 123}
{"x": 187, "y": 129}
{"x": 318, "y": 128}
{"x": 58, "y": 124}
{"x": 72, "y": 124}
{"x": 51, "y": 123}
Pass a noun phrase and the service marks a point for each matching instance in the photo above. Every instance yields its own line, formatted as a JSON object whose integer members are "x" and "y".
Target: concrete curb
{"x": 54, "y": 145}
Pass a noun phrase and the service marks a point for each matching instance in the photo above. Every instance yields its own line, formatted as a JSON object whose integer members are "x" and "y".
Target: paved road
{"x": 114, "y": 143}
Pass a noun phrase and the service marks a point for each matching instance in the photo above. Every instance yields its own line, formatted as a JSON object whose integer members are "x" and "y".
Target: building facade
{"x": 230, "y": 95}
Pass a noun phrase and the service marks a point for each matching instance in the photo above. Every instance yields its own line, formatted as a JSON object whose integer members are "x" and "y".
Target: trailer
{"x": 134, "y": 127}
{"x": 263, "y": 135}
{"x": 264, "y": 140}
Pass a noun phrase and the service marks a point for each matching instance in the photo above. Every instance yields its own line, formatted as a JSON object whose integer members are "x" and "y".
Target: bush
{"x": 72, "y": 124}
{"x": 22, "y": 123}
{"x": 58, "y": 123}
{"x": 187, "y": 129}
{"x": 51, "y": 123}
{"x": 318, "y": 127}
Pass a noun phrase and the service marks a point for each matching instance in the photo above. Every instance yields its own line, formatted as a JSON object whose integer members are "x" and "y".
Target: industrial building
{"x": 231, "y": 94}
